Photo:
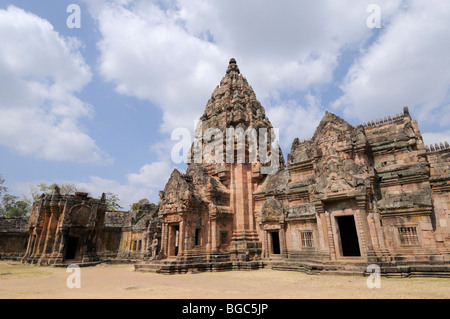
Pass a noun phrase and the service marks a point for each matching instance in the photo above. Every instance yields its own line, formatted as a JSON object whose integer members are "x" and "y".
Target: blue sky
{"x": 95, "y": 106}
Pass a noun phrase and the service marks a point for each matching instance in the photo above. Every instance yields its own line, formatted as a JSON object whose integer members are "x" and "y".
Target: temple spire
{"x": 232, "y": 66}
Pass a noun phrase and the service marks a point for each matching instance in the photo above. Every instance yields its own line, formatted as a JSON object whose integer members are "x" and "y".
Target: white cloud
{"x": 405, "y": 66}
{"x": 433, "y": 138}
{"x": 154, "y": 175}
{"x": 40, "y": 74}
{"x": 145, "y": 184}
{"x": 149, "y": 56}
{"x": 173, "y": 53}
{"x": 294, "y": 120}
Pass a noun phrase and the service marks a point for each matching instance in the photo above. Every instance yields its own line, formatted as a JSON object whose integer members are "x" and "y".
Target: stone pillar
{"x": 245, "y": 239}
{"x": 330, "y": 236}
{"x": 363, "y": 229}
{"x": 214, "y": 241}
{"x": 165, "y": 240}
{"x": 57, "y": 249}
{"x": 51, "y": 230}
{"x": 322, "y": 228}
{"x": 43, "y": 234}
{"x": 266, "y": 243}
{"x": 34, "y": 248}
{"x": 283, "y": 248}
{"x": 182, "y": 238}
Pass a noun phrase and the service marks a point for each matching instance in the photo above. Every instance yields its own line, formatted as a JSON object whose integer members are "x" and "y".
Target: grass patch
{"x": 11, "y": 269}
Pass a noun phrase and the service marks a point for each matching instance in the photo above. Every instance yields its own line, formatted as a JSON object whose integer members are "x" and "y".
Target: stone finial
{"x": 432, "y": 148}
{"x": 232, "y": 67}
{"x": 446, "y": 144}
{"x": 406, "y": 111}
{"x": 441, "y": 145}
{"x": 436, "y": 146}
{"x": 56, "y": 191}
{"x": 295, "y": 143}
{"x": 103, "y": 199}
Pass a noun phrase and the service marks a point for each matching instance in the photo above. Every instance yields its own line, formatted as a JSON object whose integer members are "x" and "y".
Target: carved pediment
{"x": 271, "y": 211}
{"x": 80, "y": 215}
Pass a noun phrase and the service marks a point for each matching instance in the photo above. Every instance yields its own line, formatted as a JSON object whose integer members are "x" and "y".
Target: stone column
{"x": 182, "y": 239}
{"x": 213, "y": 224}
{"x": 165, "y": 240}
{"x": 363, "y": 228}
{"x": 51, "y": 230}
{"x": 283, "y": 240}
{"x": 43, "y": 234}
{"x": 330, "y": 236}
{"x": 266, "y": 243}
{"x": 322, "y": 228}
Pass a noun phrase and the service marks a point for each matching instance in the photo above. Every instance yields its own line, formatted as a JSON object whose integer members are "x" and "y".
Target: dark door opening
{"x": 197, "y": 241}
{"x": 71, "y": 249}
{"x": 349, "y": 236}
{"x": 275, "y": 242}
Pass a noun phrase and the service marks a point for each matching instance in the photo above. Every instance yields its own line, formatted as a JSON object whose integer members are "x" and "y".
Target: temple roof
{"x": 234, "y": 103}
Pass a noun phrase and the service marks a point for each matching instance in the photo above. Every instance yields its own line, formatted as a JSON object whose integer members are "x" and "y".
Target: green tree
{"x": 11, "y": 206}
{"x": 64, "y": 189}
{"x": 3, "y": 189}
{"x": 141, "y": 203}
{"x": 112, "y": 202}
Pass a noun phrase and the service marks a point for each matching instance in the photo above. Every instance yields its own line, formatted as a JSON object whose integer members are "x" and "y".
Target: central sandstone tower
{"x": 244, "y": 144}
{"x": 208, "y": 217}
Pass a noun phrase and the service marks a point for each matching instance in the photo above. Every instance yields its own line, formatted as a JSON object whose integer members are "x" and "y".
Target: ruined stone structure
{"x": 76, "y": 229}
{"x": 65, "y": 228}
{"x": 13, "y": 237}
{"x": 129, "y": 235}
{"x": 348, "y": 197}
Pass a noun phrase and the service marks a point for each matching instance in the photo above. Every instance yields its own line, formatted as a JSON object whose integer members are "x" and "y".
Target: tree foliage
{"x": 112, "y": 202}
{"x": 3, "y": 189}
{"x": 12, "y": 206}
{"x": 141, "y": 203}
{"x": 64, "y": 189}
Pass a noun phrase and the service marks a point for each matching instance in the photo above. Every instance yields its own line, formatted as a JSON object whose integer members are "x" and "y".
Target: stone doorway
{"x": 174, "y": 240}
{"x": 275, "y": 243}
{"x": 348, "y": 236}
{"x": 71, "y": 248}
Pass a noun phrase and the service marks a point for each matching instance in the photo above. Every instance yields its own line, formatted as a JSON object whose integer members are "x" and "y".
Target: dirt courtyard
{"x": 18, "y": 281}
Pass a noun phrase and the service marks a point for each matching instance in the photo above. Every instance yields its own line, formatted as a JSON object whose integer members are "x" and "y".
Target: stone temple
{"x": 348, "y": 197}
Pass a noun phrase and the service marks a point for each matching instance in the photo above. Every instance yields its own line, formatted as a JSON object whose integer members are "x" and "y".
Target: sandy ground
{"x": 122, "y": 282}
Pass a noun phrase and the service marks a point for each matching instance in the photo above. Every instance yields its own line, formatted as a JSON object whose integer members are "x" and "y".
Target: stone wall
{"x": 128, "y": 235}
{"x": 13, "y": 237}
{"x": 439, "y": 159}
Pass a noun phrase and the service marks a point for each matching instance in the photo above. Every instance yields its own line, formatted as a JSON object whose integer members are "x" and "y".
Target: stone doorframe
{"x": 332, "y": 236}
{"x": 272, "y": 227}
{"x": 169, "y": 222}
{"x": 337, "y": 236}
